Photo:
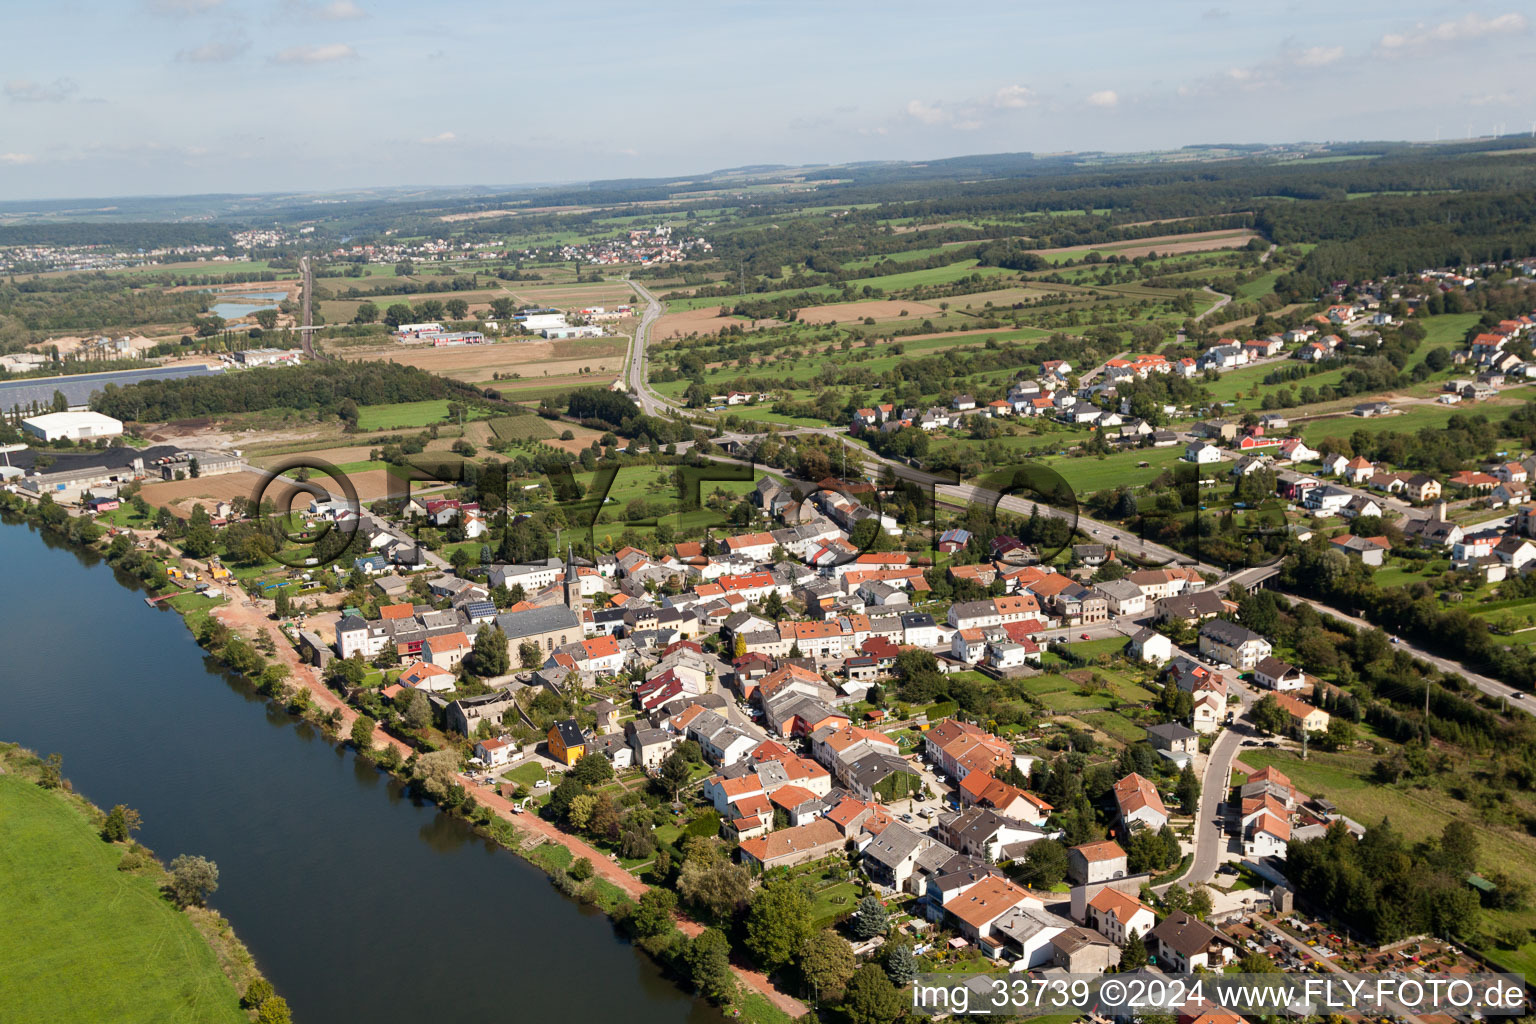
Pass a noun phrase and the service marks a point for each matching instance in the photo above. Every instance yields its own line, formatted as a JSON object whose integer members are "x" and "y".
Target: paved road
{"x": 1514, "y": 698}
{"x": 651, "y": 403}
{"x": 1210, "y": 823}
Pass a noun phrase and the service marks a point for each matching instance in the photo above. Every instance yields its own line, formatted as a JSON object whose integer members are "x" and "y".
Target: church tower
{"x": 573, "y": 599}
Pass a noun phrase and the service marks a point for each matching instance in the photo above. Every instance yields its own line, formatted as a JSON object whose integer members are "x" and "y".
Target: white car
{"x": 541, "y": 784}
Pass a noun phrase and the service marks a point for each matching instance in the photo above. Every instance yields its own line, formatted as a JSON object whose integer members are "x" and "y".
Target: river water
{"x": 358, "y": 902}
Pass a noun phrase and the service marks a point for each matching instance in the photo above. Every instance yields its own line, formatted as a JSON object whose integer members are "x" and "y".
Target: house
{"x": 566, "y": 742}
{"x": 465, "y": 714}
{"x": 495, "y": 753}
{"x": 1296, "y": 450}
{"x": 790, "y": 846}
{"x": 1090, "y": 863}
{"x": 426, "y": 676}
{"x": 1334, "y": 464}
{"x": 1115, "y": 915}
{"x": 1189, "y": 608}
{"x": 981, "y": 906}
{"x": 1077, "y": 950}
{"x": 1209, "y": 710}
{"x": 1139, "y": 804}
{"x": 1474, "y": 481}
{"x": 1358, "y": 470}
{"x": 1174, "y": 738}
{"x": 651, "y": 746}
{"x": 447, "y": 650}
{"x": 1515, "y": 551}
{"x": 1367, "y": 409}
{"x": 953, "y": 540}
{"x": 890, "y": 858}
{"x": 1123, "y": 597}
{"x": 1184, "y": 943}
{"x": 1231, "y": 644}
{"x": 1275, "y": 674}
{"x": 1370, "y": 550}
{"x": 1148, "y": 645}
{"x": 1304, "y": 717}
{"x": 1421, "y": 487}
{"x": 1201, "y": 453}
{"x": 1507, "y": 493}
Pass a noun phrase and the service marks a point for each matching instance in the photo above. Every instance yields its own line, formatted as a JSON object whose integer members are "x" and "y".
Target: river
{"x": 358, "y": 902}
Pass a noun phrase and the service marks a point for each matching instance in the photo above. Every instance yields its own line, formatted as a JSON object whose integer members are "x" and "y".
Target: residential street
{"x": 1210, "y": 832}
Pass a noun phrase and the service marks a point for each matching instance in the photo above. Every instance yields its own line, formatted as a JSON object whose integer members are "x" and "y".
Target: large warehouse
{"x": 77, "y": 426}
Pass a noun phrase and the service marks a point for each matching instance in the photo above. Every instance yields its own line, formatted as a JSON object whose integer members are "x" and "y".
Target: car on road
{"x": 1516, "y": 695}
{"x": 541, "y": 784}
{"x": 1083, "y": 636}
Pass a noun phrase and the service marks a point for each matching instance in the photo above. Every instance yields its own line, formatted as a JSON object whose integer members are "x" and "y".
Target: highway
{"x": 650, "y": 402}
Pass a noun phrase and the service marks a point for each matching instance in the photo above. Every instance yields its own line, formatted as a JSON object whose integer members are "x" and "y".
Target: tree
{"x": 362, "y": 733}
{"x": 580, "y": 869}
{"x": 52, "y": 776}
{"x": 1269, "y": 717}
{"x": 122, "y": 822}
{"x": 398, "y": 313}
{"x": 714, "y": 885}
{"x": 529, "y": 654}
{"x": 1188, "y": 789}
{"x": 900, "y": 963}
{"x": 870, "y": 919}
{"x": 675, "y": 772}
{"x": 492, "y": 654}
{"x": 709, "y": 965}
{"x": 1133, "y": 955}
{"x": 651, "y": 920}
{"x": 1045, "y": 864}
{"x": 827, "y": 961}
{"x": 256, "y": 993}
{"x": 366, "y": 313}
{"x": 779, "y": 923}
{"x": 274, "y": 1011}
{"x": 414, "y": 709}
{"x": 193, "y": 880}
{"x": 592, "y": 770}
{"x": 871, "y": 998}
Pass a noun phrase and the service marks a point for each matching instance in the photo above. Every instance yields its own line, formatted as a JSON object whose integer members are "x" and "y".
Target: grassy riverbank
{"x": 87, "y": 940}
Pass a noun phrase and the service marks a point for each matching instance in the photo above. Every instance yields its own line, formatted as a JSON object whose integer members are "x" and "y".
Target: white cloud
{"x": 325, "y": 54}
{"x": 1492, "y": 99}
{"x": 1319, "y": 56}
{"x": 439, "y": 138}
{"x": 927, "y": 113}
{"x": 1104, "y": 98}
{"x": 24, "y": 90}
{"x": 1472, "y": 26}
{"x": 1013, "y": 97}
{"x": 17, "y": 158}
{"x": 340, "y": 10}
{"x": 215, "y": 52}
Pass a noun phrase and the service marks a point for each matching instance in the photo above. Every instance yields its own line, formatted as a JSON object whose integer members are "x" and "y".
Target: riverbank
{"x": 75, "y": 906}
{"x": 298, "y": 688}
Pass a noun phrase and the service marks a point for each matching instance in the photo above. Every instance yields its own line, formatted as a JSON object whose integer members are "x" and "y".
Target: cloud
{"x": 184, "y": 7}
{"x": 24, "y": 90}
{"x": 927, "y": 113}
{"x": 1472, "y": 26}
{"x": 1104, "y": 98}
{"x": 326, "y": 54}
{"x": 215, "y": 52}
{"x": 15, "y": 159}
{"x": 1013, "y": 97}
{"x": 438, "y": 139}
{"x": 1319, "y": 56}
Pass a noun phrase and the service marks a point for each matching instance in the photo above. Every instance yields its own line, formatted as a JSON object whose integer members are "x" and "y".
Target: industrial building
{"x": 37, "y": 392}
{"x": 75, "y": 426}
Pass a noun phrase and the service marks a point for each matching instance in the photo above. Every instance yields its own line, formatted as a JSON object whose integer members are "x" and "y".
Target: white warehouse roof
{"x": 56, "y": 424}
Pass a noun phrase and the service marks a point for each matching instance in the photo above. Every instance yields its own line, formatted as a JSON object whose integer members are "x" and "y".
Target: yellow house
{"x": 566, "y": 743}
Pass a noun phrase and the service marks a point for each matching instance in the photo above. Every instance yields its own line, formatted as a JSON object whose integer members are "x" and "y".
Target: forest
{"x": 324, "y": 386}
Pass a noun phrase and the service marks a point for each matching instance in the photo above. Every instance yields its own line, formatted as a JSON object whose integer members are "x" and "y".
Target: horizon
{"x": 221, "y": 97}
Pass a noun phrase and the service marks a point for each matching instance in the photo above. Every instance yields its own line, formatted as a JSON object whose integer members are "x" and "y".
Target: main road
{"x": 651, "y": 403}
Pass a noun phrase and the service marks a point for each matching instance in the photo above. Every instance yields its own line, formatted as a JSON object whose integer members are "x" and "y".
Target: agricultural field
{"x": 530, "y": 360}
{"x": 85, "y": 941}
{"x": 401, "y": 415}
{"x": 521, "y": 428}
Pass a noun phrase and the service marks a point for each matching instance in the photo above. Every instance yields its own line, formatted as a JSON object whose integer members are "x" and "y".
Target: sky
{"x": 176, "y": 97}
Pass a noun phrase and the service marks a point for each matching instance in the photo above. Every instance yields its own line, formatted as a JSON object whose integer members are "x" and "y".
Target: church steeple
{"x": 573, "y": 599}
